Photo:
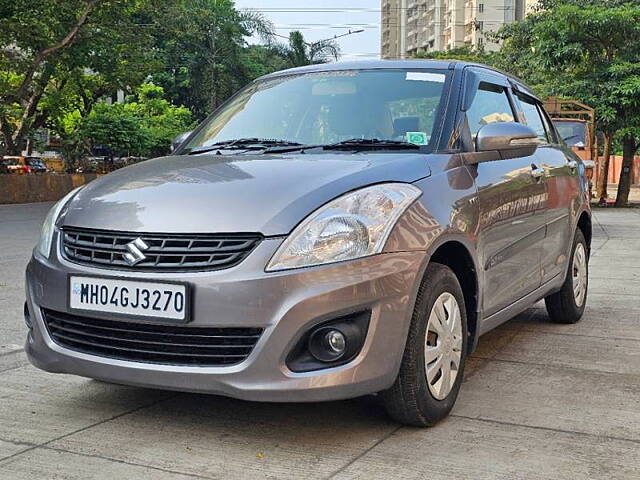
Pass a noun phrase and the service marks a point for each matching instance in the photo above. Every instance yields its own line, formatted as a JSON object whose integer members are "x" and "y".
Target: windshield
{"x": 328, "y": 107}
{"x": 573, "y": 133}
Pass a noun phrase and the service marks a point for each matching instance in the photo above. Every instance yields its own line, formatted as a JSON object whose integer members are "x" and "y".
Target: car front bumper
{"x": 285, "y": 304}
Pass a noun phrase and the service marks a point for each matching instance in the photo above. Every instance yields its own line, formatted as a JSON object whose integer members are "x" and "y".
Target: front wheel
{"x": 433, "y": 362}
{"x": 567, "y": 305}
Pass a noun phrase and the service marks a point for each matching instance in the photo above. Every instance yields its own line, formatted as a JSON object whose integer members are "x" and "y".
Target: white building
{"x": 411, "y": 26}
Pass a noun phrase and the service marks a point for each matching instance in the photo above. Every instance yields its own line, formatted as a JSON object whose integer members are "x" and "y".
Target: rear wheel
{"x": 567, "y": 305}
{"x": 433, "y": 362}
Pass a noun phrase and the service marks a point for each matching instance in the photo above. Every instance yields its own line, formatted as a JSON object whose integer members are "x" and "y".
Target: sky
{"x": 320, "y": 19}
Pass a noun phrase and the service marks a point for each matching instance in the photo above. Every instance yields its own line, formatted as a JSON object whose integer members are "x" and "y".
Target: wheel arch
{"x": 457, "y": 256}
{"x": 585, "y": 226}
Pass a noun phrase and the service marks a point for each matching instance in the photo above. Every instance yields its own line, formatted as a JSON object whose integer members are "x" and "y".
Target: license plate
{"x": 129, "y": 297}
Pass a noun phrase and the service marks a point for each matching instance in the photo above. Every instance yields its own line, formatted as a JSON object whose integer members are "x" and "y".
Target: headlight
{"x": 351, "y": 226}
{"x": 48, "y": 227}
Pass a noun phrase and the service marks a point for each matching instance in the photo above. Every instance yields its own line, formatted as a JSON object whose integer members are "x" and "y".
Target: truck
{"x": 575, "y": 123}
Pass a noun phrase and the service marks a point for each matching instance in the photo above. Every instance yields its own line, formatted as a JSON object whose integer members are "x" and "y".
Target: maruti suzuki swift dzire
{"x": 331, "y": 231}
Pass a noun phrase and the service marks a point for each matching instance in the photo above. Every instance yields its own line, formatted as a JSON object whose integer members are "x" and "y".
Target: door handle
{"x": 537, "y": 173}
{"x": 572, "y": 164}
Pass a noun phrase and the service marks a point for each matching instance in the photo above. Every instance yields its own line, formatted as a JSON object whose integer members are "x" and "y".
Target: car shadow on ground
{"x": 168, "y": 407}
{"x": 184, "y": 410}
{"x": 213, "y": 434}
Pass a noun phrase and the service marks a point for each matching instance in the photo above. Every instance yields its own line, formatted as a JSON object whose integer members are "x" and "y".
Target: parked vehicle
{"x": 575, "y": 133}
{"x": 54, "y": 164}
{"x": 22, "y": 164}
{"x": 331, "y": 231}
{"x": 36, "y": 164}
{"x": 16, "y": 165}
{"x": 575, "y": 123}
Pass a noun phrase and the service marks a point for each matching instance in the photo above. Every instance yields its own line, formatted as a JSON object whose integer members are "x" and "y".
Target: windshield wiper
{"x": 352, "y": 143}
{"x": 283, "y": 146}
{"x": 371, "y": 143}
{"x": 245, "y": 144}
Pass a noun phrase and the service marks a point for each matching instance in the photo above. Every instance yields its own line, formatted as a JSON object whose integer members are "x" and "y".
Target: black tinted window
{"x": 490, "y": 105}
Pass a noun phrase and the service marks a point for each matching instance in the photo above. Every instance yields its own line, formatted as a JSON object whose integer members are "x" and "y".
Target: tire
{"x": 413, "y": 400}
{"x": 567, "y": 305}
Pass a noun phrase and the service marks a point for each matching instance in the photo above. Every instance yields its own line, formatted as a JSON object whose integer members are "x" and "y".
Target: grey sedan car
{"x": 331, "y": 231}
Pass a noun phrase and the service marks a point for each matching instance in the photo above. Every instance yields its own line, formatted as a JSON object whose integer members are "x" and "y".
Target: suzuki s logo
{"x": 135, "y": 255}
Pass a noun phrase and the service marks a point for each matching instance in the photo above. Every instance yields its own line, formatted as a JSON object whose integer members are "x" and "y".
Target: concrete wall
{"x": 39, "y": 188}
{"x": 615, "y": 166}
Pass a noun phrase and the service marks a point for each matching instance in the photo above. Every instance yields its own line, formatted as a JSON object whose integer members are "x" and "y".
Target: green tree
{"x": 61, "y": 58}
{"x": 49, "y": 47}
{"x": 464, "y": 53}
{"x": 208, "y": 59}
{"x": 144, "y": 125}
{"x": 204, "y": 46}
{"x": 585, "y": 50}
{"x": 114, "y": 128}
{"x": 259, "y": 60}
{"x": 160, "y": 121}
{"x": 299, "y": 52}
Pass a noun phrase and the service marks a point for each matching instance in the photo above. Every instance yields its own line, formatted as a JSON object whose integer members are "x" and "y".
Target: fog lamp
{"x": 336, "y": 341}
{"x": 327, "y": 344}
{"x": 330, "y": 344}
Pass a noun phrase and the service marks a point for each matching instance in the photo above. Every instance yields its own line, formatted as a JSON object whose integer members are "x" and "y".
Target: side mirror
{"x": 179, "y": 140}
{"x": 509, "y": 138}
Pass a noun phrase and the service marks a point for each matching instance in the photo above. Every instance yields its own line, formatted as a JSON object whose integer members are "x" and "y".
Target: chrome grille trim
{"x": 166, "y": 252}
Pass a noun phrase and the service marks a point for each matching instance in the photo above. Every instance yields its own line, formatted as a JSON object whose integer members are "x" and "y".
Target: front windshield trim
{"x": 438, "y": 125}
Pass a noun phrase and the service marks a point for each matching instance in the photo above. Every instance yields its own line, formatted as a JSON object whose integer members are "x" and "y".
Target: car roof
{"x": 444, "y": 64}
{"x": 365, "y": 65}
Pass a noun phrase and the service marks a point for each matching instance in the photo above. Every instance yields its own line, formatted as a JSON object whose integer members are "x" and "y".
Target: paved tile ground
{"x": 19, "y": 231}
{"x": 634, "y": 192}
{"x": 539, "y": 401}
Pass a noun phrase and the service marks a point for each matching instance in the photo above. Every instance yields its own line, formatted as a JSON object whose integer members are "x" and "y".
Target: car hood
{"x": 268, "y": 194}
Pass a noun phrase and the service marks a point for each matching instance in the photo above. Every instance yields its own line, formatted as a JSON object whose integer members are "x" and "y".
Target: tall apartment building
{"x": 410, "y": 26}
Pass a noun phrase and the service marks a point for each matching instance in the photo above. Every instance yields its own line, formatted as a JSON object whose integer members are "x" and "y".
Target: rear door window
{"x": 552, "y": 134}
{"x": 532, "y": 117}
{"x": 490, "y": 105}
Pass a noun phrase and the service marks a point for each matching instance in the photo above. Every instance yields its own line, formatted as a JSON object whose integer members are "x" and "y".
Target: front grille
{"x": 152, "y": 343}
{"x": 166, "y": 252}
